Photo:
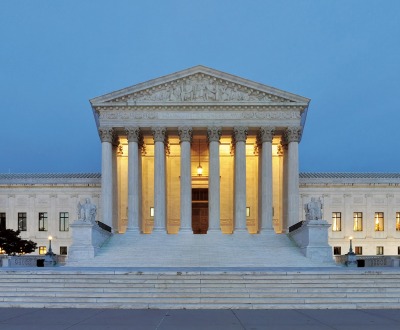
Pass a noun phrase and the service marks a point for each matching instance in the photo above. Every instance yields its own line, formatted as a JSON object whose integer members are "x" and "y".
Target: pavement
{"x": 99, "y": 319}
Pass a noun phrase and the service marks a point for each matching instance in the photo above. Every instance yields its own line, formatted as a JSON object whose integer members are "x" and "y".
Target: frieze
{"x": 200, "y": 88}
{"x": 207, "y": 113}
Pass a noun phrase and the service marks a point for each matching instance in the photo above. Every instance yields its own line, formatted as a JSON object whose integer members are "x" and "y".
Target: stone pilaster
{"x": 134, "y": 173}
{"x": 240, "y": 136}
{"x": 214, "y": 187}
{"x": 185, "y": 138}
{"x": 265, "y": 140}
{"x": 160, "y": 200}
{"x": 106, "y": 135}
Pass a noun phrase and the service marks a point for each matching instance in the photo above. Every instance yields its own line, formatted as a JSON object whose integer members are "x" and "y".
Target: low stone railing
{"x": 371, "y": 261}
{"x": 29, "y": 260}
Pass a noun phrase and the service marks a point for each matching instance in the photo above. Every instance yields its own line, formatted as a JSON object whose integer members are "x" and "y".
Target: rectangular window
{"x": 379, "y": 250}
{"x": 42, "y": 250}
{"x": 379, "y": 220}
{"x": 336, "y": 221}
{"x": 358, "y": 250}
{"x": 337, "y": 250}
{"x": 397, "y": 221}
{"x": 42, "y": 221}
{"x": 357, "y": 221}
{"x": 22, "y": 221}
{"x": 2, "y": 221}
{"x": 63, "y": 250}
{"x": 398, "y": 250}
{"x": 64, "y": 221}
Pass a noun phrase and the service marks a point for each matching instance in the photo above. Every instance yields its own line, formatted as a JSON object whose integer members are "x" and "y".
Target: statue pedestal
{"x": 312, "y": 238}
{"x": 87, "y": 238}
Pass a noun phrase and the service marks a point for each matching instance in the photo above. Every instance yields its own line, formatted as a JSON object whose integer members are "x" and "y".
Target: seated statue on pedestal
{"x": 313, "y": 209}
{"x": 87, "y": 211}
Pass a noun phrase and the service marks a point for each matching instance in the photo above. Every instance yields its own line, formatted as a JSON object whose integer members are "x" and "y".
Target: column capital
{"x": 106, "y": 134}
{"x": 240, "y": 133}
{"x": 266, "y": 133}
{"x": 159, "y": 134}
{"x": 133, "y": 134}
{"x": 293, "y": 134}
{"x": 185, "y": 133}
{"x": 214, "y": 133}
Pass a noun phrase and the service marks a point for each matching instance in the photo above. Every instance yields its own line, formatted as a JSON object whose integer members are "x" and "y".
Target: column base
{"x": 185, "y": 231}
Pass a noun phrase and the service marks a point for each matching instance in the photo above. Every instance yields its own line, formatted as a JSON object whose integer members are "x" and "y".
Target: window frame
{"x": 336, "y": 221}
{"x": 22, "y": 221}
{"x": 379, "y": 221}
{"x": 358, "y": 221}
{"x": 63, "y": 222}
{"x": 43, "y": 221}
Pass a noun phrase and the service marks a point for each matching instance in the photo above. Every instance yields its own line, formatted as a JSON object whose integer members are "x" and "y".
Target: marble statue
{"x": 313, "y": 209}
{"x": 87, "y": 211}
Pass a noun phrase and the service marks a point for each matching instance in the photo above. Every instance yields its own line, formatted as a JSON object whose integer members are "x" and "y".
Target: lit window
{"x": 379, "y": 221}
{"x": 336, "y": 221}
{"x": 358, "y": 250}
{"x": 397, "y": 221}
{"x": 64, "y": 221}
{"x": 63, "y": 250}
{"x": 42, "y": 221}
{"x": 22, "y": 221}
{"x": 337, "y": 250}
{"x": 379, "y": 250}
{"x": 42, "y": 250}
{"x": 2, "y": 221}
{"x": 357, "y": 221}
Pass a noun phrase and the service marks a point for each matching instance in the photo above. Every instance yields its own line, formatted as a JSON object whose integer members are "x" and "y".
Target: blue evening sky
{"x": 342, "y": 54}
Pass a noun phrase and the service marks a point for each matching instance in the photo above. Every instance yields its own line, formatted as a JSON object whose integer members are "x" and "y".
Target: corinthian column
{"x": 266, "y": 136}
{"x": 185, "y": 138}
{"x": 292, "y": 137}
{"x": 240, "y": 136}
{"x": 214, "y": 135}
{"x": 160, "y": 207}
{"x": 106, "y": 136}
{"x": 134, "y": 172}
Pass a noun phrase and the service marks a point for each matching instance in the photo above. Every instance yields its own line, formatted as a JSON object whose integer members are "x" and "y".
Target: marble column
{"x": 240, "y": 136}
{"x": 185, "y": 139}
{"x": 160, "y": 200}
{"x": 214, "y": 187}
{"x": 133, "y": 134}
{"x": 266, "y": 136}
{"x": 292, "y": 136}
{"x": 106, "y": 136}
{"x": 285, "y": 221}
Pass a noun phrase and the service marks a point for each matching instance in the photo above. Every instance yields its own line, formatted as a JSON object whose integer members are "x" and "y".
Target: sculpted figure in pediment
{"x": 203, "y": 89}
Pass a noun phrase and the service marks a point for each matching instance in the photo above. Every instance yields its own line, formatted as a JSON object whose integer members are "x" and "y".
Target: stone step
{"x": 188, "y": 250}
{"x": 289, "y": 289}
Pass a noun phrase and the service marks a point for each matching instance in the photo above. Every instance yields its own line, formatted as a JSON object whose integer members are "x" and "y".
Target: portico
{"x": 243, "y": 135}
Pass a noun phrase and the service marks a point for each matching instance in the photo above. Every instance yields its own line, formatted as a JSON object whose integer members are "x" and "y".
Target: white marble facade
{"x": 244, "y": 136}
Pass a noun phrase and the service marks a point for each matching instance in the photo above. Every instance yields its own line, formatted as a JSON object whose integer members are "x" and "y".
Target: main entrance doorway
{"x": 200, "y": 210}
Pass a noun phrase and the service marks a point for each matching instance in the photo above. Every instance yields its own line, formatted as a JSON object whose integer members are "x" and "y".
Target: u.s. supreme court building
{"x": 205, "y": 164}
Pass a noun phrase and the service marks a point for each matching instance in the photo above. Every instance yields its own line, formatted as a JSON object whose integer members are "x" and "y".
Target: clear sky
{"x": 342, "y": 54}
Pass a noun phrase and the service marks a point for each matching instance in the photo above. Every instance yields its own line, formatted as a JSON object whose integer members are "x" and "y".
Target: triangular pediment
{"x": 199, "y": 84}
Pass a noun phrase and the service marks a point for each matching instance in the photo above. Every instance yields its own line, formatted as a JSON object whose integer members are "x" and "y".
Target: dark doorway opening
{"x": 199, "y": 210}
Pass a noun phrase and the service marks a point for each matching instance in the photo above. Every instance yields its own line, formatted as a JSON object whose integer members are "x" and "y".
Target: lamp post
{"x": 49, "y": 258}
{"x": 351, "y": 260}
{"x": 50, "y": 251}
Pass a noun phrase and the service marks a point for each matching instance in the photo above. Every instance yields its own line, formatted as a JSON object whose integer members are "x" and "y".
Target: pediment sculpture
{"x": 203, "y": 88}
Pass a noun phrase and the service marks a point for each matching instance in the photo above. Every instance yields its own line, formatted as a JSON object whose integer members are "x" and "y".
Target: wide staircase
{"x": 268, "y": 289}
{"x": 211, "y": 250}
